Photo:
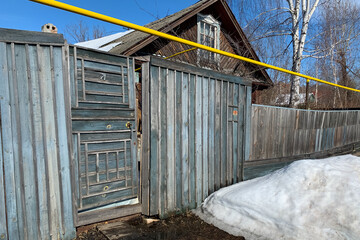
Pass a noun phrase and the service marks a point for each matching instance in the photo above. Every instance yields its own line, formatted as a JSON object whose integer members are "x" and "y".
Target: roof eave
{"x": 181, "y": 19}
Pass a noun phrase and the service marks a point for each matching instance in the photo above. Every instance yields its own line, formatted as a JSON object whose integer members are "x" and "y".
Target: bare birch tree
{"x": 341, "y": 24}
{"x": 283, "y": 29}
{"x": 301, "y": 12}
{"x": 281, "y": 19}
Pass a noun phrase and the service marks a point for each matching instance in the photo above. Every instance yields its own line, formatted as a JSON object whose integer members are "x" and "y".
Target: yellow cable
{"x": 188, "y": 50}
{"x": 105, "y": 18}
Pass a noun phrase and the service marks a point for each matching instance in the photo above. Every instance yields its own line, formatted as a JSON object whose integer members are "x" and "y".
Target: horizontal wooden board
{"x": 103, "y": 113}
{"x": 21, "y": 36}
{"x": 101, "y": 125}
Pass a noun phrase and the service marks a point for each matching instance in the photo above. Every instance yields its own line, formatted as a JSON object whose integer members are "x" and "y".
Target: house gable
{"x": 184, "y": 24}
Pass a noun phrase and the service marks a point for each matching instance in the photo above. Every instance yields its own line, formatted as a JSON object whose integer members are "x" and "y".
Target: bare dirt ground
{"x": 182, "y": 227}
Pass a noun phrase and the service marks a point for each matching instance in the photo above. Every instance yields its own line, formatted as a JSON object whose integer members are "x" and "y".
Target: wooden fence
{"x": 35, "y": 155}
{"x": 282, "y": 132}
{"x": 194, "y": 134}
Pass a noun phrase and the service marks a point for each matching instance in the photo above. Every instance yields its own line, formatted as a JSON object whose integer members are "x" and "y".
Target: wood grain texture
{"x": 293, "y": 132}
{"x": 36, "y": 154}
{"x": 145, "y": 164}
{"x": 189, "y": 139}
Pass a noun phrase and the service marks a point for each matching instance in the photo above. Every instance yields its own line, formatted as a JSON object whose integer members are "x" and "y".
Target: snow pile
{"x": 103, "y": 43}
{"x": 309, "y": 199}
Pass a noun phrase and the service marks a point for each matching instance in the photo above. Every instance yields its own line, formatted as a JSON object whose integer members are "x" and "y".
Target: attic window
{"x": 208, "y": 35}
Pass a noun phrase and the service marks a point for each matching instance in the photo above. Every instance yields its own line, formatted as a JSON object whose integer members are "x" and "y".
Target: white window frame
{"x": 210, "y": 20}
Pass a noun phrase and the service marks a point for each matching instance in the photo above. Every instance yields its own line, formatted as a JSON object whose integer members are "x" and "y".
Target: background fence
{"x": 283, "y": 132}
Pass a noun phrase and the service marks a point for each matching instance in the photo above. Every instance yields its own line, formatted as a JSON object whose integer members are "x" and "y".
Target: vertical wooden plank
{"x": 63, "y": 138}
{"x": 247, "y": 124}
{"x": 254, "y": 132}
{"x": 123, "y": 82}
{"x": 9, "y": 150}
{"x": 345, "y": 133}
{"x": 278, "y": 131}
{"x": 19, "y": 183}
{"x": 38, "y": 139}
{"x": 170, "y": 98}
{"x": 323, "y": 132}
{"x": 3, "y": 223}
{"x": 205, "y": 132}
{"x": 261, "y": 128}
{"x": 50, "y": 119}
{"x": 56, "y": 77}
{"x": 76, "y": 92}
{"x": 192, "y": 129}
{"x": 178, "y": 140}
{"x": 269, "y": 132}
{"x": 131, "y": 83}
{"x": 295, "y": 145}
{"x": 198, "y": 140}
{"x": 217, "y": 177}
{"x": 223, "y": 141}
{"x": 211, "y": 127}
{"x": 286, "y": 131}
{"x": 319, "y": 120}
{"x": 146, "y": 128}
{"x": 71, "y": 74}
{"x": 230, "y": 136}
{"x": 49, "y": 138}
{"x": 83, "y": 80}
{"x": 162, "y": 139}
{"x": 240, "y": 134}
{"x": 356, "y": 122}
{"x": 154, "y": 140}
{"x": 68, "y": 102}
{"x": 26, "y": 150}
{"x": 185, "y": 138}
{"x": 292, "y": 132}
{"x": 132, "y": 104}
{"x": 4, "y": 116}
{"x": 312, "y": 132}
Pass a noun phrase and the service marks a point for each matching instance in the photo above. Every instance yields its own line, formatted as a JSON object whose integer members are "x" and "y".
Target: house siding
{"x": 188, "y": 30}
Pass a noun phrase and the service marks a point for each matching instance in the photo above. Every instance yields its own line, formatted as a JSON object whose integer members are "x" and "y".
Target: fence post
{"x": 307, "y": 94}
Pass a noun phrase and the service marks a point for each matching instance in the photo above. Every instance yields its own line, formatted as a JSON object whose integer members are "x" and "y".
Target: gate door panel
{"x": 103, "y": 126}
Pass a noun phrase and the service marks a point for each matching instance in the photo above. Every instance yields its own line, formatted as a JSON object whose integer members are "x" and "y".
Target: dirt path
{"x": 182, "y": 227}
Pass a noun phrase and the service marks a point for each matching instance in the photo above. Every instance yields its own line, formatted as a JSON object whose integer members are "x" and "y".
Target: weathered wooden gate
{"x": 196, "y": 134}
{"x": 104, "y": 135}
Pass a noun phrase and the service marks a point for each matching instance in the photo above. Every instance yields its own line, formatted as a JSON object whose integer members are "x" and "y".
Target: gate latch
{"x": 128, "y": 125}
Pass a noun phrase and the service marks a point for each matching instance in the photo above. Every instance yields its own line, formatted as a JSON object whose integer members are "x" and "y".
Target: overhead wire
{"x": 119, "y": 22}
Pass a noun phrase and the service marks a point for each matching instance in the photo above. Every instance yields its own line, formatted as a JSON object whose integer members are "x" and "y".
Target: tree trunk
{"x": 295, "y": 86}
{"x": 299, "y": 37}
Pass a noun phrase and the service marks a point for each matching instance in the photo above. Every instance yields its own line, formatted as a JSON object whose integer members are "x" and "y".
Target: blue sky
{"x": 27, "y": 15}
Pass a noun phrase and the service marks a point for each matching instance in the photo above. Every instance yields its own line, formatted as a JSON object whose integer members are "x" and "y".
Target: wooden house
{"x": 209, "y": 22}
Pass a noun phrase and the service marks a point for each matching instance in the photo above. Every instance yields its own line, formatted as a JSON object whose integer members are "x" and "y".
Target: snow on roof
{"x": 104, "y": 43}
{"x": 309, "y": 199}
